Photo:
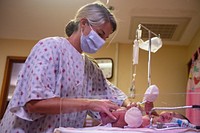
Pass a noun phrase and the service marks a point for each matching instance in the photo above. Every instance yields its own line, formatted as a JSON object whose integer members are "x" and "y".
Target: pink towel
{"x": 193, "y": 92}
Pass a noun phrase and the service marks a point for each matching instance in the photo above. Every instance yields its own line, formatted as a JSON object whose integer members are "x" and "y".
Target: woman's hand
{"x": 103, "y": 106}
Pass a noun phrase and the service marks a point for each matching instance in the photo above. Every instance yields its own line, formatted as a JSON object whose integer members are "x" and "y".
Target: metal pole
{"x": 149, "y": 60}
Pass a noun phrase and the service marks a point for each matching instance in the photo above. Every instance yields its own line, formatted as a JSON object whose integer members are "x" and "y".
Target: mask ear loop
{"x": 116, "y": 32}
{"x": 90, "y": 26}
{"x": 112, "y": 38}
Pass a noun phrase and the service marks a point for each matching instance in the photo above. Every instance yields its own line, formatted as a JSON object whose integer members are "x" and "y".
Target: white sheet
{"x": 105, "y": 129}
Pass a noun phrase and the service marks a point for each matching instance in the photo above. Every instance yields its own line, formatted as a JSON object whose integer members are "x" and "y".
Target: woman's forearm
{"x": 68, "y": 105}
{"x": 57, "y": 105}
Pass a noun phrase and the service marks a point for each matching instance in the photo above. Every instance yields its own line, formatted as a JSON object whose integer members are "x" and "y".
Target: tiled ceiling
{"x": 177, "y": 21}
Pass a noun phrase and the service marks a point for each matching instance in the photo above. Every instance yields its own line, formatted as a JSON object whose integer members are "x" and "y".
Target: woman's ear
{"x": 83, "y": 22}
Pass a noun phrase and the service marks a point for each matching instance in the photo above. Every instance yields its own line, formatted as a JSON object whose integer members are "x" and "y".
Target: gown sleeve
{"x": 37, "y": 79}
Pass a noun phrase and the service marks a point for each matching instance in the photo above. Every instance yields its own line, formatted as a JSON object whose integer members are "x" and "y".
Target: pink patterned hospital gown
{"x": 55, "y": 69}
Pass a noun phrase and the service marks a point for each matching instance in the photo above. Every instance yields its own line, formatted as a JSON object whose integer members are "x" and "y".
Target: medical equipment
{"x": 182, "y": 123}
{"x": 151, "y": 45}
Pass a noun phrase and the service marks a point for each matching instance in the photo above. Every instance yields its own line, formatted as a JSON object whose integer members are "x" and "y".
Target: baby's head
{"x": 167, "y": 116}
{"x": 163, "y": 117}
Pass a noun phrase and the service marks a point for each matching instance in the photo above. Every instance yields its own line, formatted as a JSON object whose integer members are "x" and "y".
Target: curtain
{"x": 193, "y": 89}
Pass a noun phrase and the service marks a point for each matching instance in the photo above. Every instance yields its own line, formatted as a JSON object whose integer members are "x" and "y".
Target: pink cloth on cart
{"x": 193, "y": 92}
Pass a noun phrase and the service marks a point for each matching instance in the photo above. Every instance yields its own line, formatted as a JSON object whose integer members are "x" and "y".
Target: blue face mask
{"x": 92, "y": 42}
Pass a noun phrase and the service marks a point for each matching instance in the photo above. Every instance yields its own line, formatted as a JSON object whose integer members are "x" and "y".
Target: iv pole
{"x": 149, "y": 50}
{"x": 136, "y": 44}
{"x": 149, "y": 60}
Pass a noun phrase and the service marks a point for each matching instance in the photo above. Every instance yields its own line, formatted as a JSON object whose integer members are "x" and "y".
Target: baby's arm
{"x": 119, "y": 114}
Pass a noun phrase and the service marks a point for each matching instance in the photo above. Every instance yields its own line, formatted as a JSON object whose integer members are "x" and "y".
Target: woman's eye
{"x": 100, "y": 34}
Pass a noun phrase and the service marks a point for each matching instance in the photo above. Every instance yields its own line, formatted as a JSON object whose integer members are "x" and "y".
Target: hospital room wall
{"x": 12, "y": 47}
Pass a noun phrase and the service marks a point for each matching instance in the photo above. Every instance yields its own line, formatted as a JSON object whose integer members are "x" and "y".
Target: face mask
{"x": 92, "y": 42}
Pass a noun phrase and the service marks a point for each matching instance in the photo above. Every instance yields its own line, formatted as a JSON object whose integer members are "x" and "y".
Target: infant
{"x": 132, "y": 117}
